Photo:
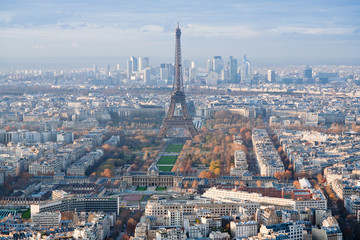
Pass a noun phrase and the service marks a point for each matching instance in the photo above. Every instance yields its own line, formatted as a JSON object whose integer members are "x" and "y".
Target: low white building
{"x": 293, "y": 230}
{"x": 243, "y": 229}
{"x": 318, "y": 201}
{"x": 352, "y": 204}
{"x": 170, "y": 234}
{"x": 47, "y": 219}
{"x": 219, "y": 236}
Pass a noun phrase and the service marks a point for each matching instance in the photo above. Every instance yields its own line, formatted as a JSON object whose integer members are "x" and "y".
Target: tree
{"x": 222, "y": 114}
{"x": 205, "y": 130}
{"x": 297, "y": 184}
{"x": 202, "y": 174}
{"x": 188, "y": 166}
{"x": 9, "y": 128}
{"x": 67, "y": 216}
{"x": 248, "y": 136}
{"x": 206, "y": 174}
{"x": 237, "y": 147}
{"x": 195, "y": 183}
{"x": 217, "y": 149}
{"x": 146, "y": 155}
{"x": 210, "y": 175}
{"x": 125, "y": 237}
{"x": 332, "y": 196}
{"x": 277, "y": 175}
{"x": 197, "y": 138}
{"x": 125, "y": 149}
{"x": 290, "y": 167}
{"x": 228, "y": 139}
{"x": 320, "y": 178}
{"x": 106, "y": 173}
{"x": 288, "y": 174}
{"x": 233, "y": 130}
{"x": 258, "y": 183}
{"x": 107, "y": 147}
{"x": 131, "y": 225}
{"x": 134, "y": 167}
{"x": 243, "y": 130}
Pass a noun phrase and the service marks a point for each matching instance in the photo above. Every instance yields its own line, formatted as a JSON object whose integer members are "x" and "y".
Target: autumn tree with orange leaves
{"x": 106, "y": 173}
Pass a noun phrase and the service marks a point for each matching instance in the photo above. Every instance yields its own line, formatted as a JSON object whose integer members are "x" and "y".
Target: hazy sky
{"x": 304, "y": 30}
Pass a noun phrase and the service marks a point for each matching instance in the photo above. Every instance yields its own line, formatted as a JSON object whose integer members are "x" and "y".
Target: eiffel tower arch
{"x": 178, "y": 97}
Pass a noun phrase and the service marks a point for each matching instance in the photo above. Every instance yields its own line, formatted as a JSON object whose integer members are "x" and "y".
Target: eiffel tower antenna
{"x": 178, "y": 96}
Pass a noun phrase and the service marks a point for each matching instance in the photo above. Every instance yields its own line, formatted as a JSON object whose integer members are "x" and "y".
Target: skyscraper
{"x": 94, "y": 71}
{"x": 217, "y": 64}
{"x": 143, "y": 63}
{"x": 108, "y": 70}
{"x": 94, "y": 68}
{"x": 146, "y": 62}
{"x": 129, "y": 68}
{"x": 164, "y": 74}
{"x": 233, "y": 69}
{"x": 140, "y": 64}
{"x": 134, "y": 64}
{"x": 192, "y": 72}
{"x": 307, "y": 73}
{"x": 271, "y": 75}
{"x": 147, "y": 76}
{"x": 225, "y": 75}
{"x": 209, "y": 66}
{"x": 245, "y": 71}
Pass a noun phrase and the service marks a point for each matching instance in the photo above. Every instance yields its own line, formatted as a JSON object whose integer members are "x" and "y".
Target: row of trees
{"x": 129, "y": 220}
{"x": 217, "y": 150}
{"x": 13, "y": 182}
{"x": 289, "y": 171}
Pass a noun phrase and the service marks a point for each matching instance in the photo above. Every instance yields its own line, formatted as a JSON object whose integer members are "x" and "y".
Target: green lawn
{"x": 160, "y": 189}
{"x": 165, "y": 168}
{"x": 167, "y": 160}
{"x": 174, "y": 148}
{"x": 26, "y": 215}
{"x": 141, "y": 188}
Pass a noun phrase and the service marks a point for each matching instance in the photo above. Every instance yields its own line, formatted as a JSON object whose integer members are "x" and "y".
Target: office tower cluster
{"x": 189, "y": 71}
{"x": 139, "y": 68}
{"x": 228, "y": 71}
{"x": 218, "y": 71}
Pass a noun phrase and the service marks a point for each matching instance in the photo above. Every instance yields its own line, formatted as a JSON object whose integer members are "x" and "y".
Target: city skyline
{"x": 247, "y": 126}
{"x": 267, "y": 31}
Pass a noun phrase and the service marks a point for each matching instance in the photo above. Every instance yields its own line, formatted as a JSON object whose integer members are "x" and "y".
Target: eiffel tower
{"x": 178, "y": 97}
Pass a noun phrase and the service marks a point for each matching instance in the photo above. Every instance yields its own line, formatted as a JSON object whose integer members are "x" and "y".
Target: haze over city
{"x": 179, "y": 120}
{"x": 280, "y": 32}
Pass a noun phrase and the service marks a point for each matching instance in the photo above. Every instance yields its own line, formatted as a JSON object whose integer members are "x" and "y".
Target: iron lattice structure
{"x": 178, "y": 97}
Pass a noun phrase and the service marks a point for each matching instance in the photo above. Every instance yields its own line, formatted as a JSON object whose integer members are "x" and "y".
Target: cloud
{"x": 6, "y": 16}
{"x": 263, "y": 27}
{"x": 152, "y": 28}
{"x": 314, "y": 30}
{"x": 39, "y": 46}
{"x": 66, "y": 26}
{"x": 237, "y": 31}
